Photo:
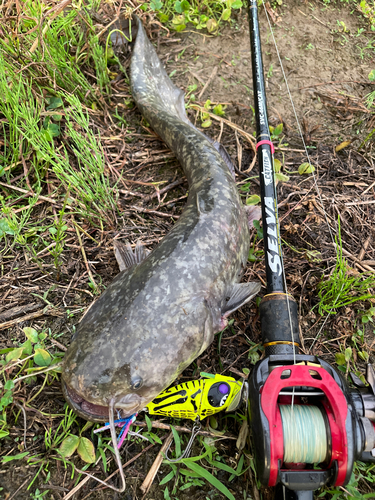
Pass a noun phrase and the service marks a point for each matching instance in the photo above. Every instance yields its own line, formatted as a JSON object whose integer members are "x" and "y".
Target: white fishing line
{"x": 305, "y": 434}
{"x": 313, "y": 174}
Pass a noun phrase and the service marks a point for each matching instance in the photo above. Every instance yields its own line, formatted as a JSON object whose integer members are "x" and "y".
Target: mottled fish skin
{"x": 154, "y": 319}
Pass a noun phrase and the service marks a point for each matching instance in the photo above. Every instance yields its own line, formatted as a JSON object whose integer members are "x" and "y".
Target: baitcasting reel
{"x": 308, "y": 426}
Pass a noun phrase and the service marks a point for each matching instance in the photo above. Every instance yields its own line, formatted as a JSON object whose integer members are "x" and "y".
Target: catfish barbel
{"x": 163, "y": 309}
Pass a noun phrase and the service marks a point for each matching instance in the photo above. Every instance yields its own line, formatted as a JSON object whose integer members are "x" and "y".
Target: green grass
{"x": 344, "y": 285}
{"x": 50, "y": 99}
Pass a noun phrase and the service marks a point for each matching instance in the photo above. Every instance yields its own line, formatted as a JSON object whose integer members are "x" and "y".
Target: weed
{"x": 196, "y": 475}
{"x": 203, "y": 15}
{"x": 345, "y": 285}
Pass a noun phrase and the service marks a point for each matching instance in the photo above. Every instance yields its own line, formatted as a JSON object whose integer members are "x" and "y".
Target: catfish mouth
{"x": 90, "y": 411}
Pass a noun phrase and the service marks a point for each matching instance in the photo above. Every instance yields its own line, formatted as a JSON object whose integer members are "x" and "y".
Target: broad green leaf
{"x": 163, "y": 18}
{"x": 348, "y": 354}
{"x": 180, "y": 27}
{"x": 281, "y": 177}
{"x": 54, "y": 129}
{"x": 211, "y": 25}
{"x": 213, "y": 422}
{"x": 371, "y": 75}
{"x": 5, "y": 228}
{"x": 4, "y": 434}
{"x": 15, "y": 457}
{"x": 306, "y": 168}
{"x": 9, "y": 385}
{"x": 156, "y": 5}
{"x": 277, "y": 165}
{"x": 27, "y": 347}
{"x": 219, "y": 110}
{"x": 54, "y": 103}
{"x": 86, "y": 450}
{"x": 69, "y": 446}
{"x": 42, "y": 357}
{"x": 340, "y": 358}
{"x": 206, "y": 123}
{"x": 277, "y": 131}
{"x": 177, "y": 7}
{"x": 31, "y": 334}
{"x": 237, "y": 4}
{"x": 42, "y": 336}
{"x": 254, "y": 199}
{"x": 256, "y": 224}
{"x": 209, "y": 477}
{"x": 226, "y": 14}
{"x": 185, "y": 5}
{"x": 14, "y": 354}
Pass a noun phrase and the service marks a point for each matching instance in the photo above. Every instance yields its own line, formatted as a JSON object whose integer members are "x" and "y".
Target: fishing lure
{"x": 194, "y": 400}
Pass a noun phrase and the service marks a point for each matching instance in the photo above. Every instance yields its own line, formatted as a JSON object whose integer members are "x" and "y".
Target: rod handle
{"x": 279, "y": 324}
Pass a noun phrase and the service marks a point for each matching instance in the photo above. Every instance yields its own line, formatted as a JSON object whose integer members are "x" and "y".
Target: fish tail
{"x": 150, "y": 83}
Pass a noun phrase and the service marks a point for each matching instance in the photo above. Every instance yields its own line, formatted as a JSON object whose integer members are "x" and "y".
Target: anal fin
{"x": 241, "y": 294}
{"x": 126, "y": 257}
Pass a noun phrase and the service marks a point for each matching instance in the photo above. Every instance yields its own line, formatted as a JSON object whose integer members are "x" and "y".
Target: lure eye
{"x": 137, "y": 383}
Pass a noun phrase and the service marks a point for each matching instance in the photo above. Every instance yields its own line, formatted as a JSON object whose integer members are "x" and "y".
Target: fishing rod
{"x": 308, "y": 426}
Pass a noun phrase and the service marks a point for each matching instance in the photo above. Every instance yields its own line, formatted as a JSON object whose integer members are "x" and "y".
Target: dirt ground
{"x": 326, "y": 64}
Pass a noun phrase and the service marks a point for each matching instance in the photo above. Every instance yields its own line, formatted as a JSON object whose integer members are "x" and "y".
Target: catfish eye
{"x": 137, "y": 383}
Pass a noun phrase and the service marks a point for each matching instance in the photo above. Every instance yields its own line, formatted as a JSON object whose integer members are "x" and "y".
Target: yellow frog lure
{"x": 195, "y": 400}
{"x": 198, "y": 399}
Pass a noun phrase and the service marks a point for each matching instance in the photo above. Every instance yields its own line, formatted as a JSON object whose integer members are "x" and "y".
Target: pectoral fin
{"x": 126, "y": 257}
{"x": 253, "y": 213}
{"x": 241, "y": 294}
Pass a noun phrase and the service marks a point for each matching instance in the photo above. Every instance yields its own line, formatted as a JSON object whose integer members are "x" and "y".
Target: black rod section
{"x": 271, "y": 231}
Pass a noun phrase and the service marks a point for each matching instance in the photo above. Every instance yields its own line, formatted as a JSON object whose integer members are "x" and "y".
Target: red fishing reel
{"x": 308, "y": 425}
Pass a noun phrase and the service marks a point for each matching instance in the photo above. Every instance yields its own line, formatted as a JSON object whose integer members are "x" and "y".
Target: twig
{"x": 84, "y": 254}
{"x": 24, "y": 423}
{"x": 87, "y": 478}
{"x": 164, "y": 189}
{"x": 364, "y": 248}
{"x": 149, "y": 479}
{"x": 148, "y": 211}
{"x": 212, "y": 76}
{"x": 367, "y": 202}
{"x": 86, "y": 233}
{"x": 33, "y": 315}
{"x": 18, "y": 490}
{"x": 16, "y": 311}
{"x": 360, "y": 264}
{"x": 160, "y": 425}
{"x": 30, "y": 193}
{"x": 368, "y": 189}
{"x": 230, "y": 124}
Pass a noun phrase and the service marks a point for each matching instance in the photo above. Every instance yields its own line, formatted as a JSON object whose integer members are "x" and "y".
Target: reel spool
{"x": 306, "y": 434}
